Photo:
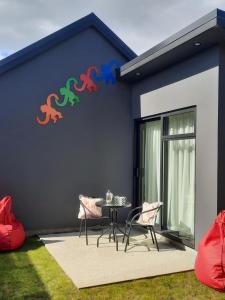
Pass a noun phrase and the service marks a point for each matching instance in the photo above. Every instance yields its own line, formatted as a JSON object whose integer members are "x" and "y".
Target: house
{"x": 71, "y": 123}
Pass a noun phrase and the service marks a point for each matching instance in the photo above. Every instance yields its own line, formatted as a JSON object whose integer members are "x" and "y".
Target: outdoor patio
{"x": 89, "y": 266}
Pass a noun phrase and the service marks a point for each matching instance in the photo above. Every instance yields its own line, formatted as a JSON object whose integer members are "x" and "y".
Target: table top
{"x": 113, "y": 204}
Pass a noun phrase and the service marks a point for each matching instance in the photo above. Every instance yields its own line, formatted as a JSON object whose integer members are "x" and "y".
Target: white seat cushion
{"x": 149, "y": 217}
{"x": 92, "y": 211}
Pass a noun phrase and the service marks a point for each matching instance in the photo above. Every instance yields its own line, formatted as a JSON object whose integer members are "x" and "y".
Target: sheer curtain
{"x": 151, "y": 137}
{"x": 181, "y": 177}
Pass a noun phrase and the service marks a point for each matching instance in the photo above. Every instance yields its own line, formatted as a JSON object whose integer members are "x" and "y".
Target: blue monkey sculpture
{"x": 108, "y": 72}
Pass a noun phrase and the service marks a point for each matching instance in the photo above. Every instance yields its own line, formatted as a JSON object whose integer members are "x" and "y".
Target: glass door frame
{"x": 163, "y": 163}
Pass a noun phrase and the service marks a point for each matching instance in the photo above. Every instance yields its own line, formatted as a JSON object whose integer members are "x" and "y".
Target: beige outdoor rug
{"x": 91, "y": 266}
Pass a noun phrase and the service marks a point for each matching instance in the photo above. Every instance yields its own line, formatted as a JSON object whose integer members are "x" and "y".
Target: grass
{"x": 31, "y": 273}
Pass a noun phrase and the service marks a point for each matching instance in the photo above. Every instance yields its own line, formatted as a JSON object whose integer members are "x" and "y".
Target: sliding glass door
{"x": 150, "y": 133}
{"x": 167, "y": 170}
{"x": 179, "y": 174}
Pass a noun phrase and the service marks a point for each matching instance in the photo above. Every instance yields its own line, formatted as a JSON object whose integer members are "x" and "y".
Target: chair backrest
{"x": 150, "y": 212}
{"x": 88, "y": 208}
{"x": 157, "y": 210}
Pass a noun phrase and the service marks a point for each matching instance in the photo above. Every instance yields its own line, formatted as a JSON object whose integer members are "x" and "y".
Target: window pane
{"x": 181, "y": 187}
{"x": 150, "y": 162}
{"x": 181, "y": 124}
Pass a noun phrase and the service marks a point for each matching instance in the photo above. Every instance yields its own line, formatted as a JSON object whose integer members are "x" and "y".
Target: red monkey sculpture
{"x": 88, "y": 82}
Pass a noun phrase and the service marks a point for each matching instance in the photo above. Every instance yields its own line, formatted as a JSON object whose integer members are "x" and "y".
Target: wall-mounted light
{"x": 137, "y": 73}
{"x": 197, "y": 44}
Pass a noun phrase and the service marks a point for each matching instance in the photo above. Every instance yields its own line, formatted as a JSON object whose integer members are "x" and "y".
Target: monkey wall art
{"x": 68, "y": 93}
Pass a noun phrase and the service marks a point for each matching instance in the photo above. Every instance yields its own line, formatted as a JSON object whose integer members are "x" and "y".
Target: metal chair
{"x": 132, "y": 221}
{"x": 85, "y": 219}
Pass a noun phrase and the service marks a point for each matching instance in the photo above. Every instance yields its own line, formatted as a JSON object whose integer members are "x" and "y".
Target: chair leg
{"x": 114, "y": 235}
{"x": 151, "y": 235}
{"x": 145, "y": 235}
{"x": 157, "y": 246}
{"x": 85, "y": 226}
{"x": 81, "y": 223}
{"x": 125, "y": 231}
{"x": 128, "y": 237}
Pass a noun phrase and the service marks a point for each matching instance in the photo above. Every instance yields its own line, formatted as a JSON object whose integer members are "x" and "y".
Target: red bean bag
{"x": 210, "y": 260}
{"x": 12, "y": 233}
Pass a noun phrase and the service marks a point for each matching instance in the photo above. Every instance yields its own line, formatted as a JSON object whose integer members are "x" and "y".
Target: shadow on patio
{"x": 19, "y": 277}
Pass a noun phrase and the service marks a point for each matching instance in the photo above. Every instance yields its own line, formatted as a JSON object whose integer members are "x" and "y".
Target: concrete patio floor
{"x": 91, "y": 266}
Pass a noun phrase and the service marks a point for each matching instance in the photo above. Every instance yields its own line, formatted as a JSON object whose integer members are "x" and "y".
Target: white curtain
{"x": 151, "y": 192}
{"x": 181, "y": 177}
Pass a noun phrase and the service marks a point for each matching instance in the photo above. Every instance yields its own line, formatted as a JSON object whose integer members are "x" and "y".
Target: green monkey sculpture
{"x": 69, "y": 96}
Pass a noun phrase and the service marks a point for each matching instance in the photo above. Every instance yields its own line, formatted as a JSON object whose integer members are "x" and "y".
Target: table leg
{"x": 113, "y": 227}
{"x": 110, "y": 218}
{"x": 114, "y": 222}
{"x": 105, "y": 231}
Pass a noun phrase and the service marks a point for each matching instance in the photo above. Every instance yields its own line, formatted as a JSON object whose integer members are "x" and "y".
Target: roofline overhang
{"x": 212, "y": 23}
{"x": 44, "y": 44}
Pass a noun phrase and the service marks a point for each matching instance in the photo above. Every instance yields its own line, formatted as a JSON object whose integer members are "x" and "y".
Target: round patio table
{"x": 113, "y": 227}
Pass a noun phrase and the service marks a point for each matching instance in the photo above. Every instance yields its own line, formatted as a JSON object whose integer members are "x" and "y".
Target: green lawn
{"x": 31, "y": 273}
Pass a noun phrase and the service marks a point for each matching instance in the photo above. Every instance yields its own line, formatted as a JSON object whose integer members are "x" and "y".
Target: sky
{"x": 141, "y": 24}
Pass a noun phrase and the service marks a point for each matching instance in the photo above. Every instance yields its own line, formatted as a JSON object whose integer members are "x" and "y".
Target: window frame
{"x": 178, "y": 136}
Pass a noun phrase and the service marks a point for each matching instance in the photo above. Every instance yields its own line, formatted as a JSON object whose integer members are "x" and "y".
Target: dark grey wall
{"x": 193, "y": 82}
{"x": 221, "y": 132}
{"x": 45, "y": 168}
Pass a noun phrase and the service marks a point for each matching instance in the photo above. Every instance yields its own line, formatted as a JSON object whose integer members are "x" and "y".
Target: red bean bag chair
{"x": 12, "y": 233}
{"x": 210, "y": 260}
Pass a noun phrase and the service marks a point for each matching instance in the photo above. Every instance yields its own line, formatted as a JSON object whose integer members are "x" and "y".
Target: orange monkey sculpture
{"x": 50, "y": 112}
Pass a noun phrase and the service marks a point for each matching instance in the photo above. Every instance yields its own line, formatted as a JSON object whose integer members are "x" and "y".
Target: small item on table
{"x": 120, "y": 200}
{"x": 109, "y": 197}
